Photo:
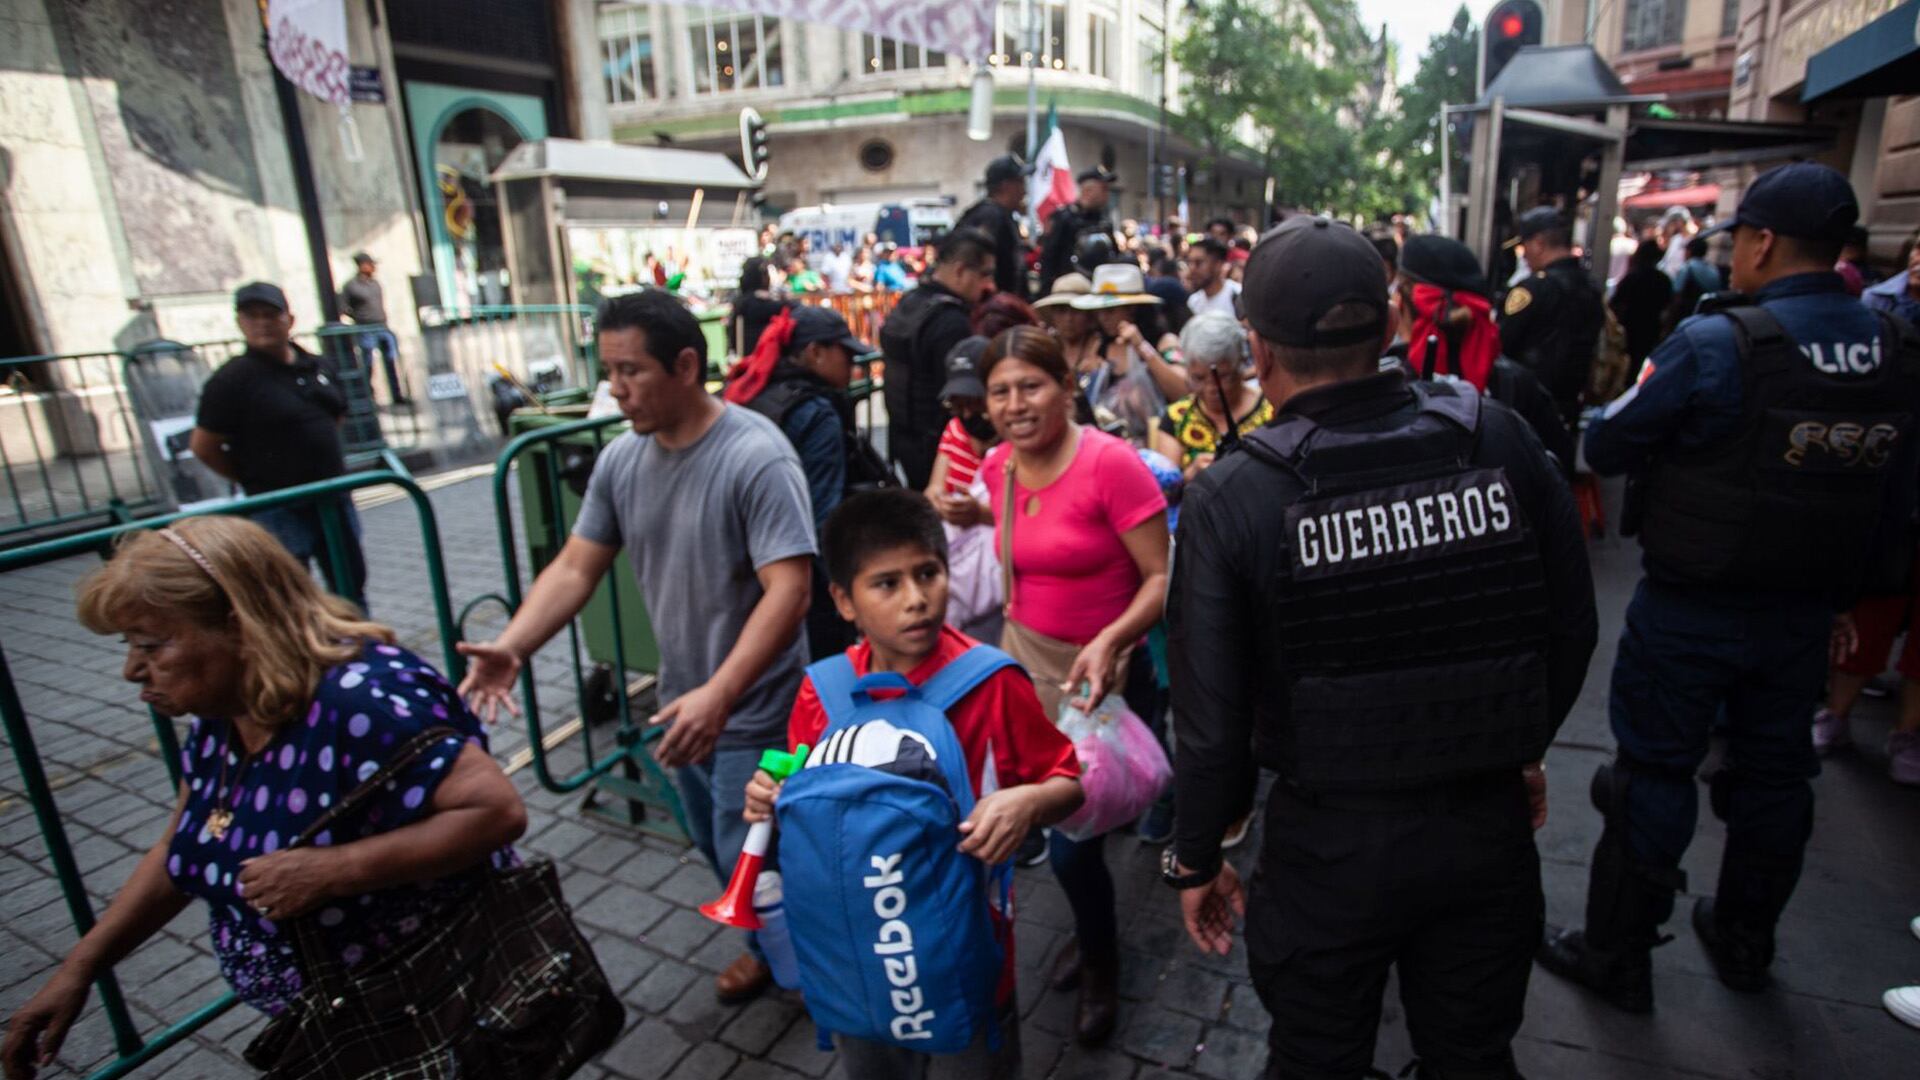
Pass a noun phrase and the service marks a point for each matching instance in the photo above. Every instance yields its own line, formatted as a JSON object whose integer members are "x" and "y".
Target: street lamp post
{"x": 1032, "y": 38}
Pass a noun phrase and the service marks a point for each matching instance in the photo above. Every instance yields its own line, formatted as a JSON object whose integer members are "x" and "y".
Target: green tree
{"x": 1285, "y": 79}
{"x": 1409, "y": 139}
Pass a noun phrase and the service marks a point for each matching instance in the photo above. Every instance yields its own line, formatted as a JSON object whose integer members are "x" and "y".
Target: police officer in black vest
{"x": 1551, "y": 322}
{"x": 1006, "y": 183}
{"x": 1080, "y": 235}
{"x": 1384, "y": 599}
{"x": 917, "y": 337}
{"x": 1771, "y": 448}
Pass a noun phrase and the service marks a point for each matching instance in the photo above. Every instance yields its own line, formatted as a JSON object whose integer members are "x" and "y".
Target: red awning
{"x": 1697, "y": 195}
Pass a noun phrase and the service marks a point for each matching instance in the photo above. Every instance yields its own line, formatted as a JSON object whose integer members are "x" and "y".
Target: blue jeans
{"x": 382, "y": 340}
{"x": 1686, "y": 659}
{"x": 713, "y": 795}
{"x": 299, "y": 530}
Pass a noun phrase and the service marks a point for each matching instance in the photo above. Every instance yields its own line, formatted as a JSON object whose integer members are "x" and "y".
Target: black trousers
{"x": 1442, "y": 883}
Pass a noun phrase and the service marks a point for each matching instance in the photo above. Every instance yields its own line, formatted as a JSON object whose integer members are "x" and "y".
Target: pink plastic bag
{"x": 1122, "y": 768}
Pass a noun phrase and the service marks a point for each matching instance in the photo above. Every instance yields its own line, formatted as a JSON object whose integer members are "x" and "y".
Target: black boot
{"x": 1623, "y": 976}
{"x": 1741, "y": 955}
{"x": 1099, "y": 1003}
{"x": 1626, "y": 903}
{"x": 1758, "y": 875}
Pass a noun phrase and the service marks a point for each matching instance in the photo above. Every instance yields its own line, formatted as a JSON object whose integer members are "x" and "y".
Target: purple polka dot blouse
{"x": 363, "y": 711}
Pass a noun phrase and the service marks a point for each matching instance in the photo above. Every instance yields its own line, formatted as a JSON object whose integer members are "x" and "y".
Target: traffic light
{"x": 753, "y": 144}
{"x": 1164, "y": 180}
{"x": 1510, "y": 26}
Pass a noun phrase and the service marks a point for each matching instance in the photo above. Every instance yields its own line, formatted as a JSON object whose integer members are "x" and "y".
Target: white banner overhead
{"x": 961, "y": 27}
{"x": 308, "y": 41}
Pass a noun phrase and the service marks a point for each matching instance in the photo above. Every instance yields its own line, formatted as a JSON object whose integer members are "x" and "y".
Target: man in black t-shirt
{"x": 270, "y": 419}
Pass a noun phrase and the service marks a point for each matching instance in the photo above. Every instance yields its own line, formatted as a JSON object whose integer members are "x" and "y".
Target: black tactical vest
{"x": 900, "y": 341}
{"x": 865, "y": 468}
{"x": 1792, "y": 500}
{"x": 1414, "y": 618}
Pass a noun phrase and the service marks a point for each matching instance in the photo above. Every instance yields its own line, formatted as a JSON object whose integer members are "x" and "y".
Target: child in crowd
{"x": 886, "y": 560}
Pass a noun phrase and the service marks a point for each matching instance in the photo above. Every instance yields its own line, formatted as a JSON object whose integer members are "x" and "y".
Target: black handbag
{"x": 501, "y": 985}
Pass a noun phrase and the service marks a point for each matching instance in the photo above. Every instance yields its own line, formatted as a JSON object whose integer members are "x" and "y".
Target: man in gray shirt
{"x": 365, "y": 302}
{"x": 711, "y": 505}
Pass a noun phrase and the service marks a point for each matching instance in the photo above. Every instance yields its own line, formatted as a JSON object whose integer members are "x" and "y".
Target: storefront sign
{"x": 1820, "y": 27}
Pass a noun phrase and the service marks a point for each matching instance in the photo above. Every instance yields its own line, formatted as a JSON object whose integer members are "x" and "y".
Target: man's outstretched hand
{"x": 491, "y": 671}
{"x": 1211, "y": 910}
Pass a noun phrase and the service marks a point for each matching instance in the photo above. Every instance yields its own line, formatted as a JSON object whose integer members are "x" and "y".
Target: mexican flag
{"x": 1052, "y": 176}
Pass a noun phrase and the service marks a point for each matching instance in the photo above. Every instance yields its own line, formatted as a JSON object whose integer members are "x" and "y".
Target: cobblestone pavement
{"x": 1843, "y": 941}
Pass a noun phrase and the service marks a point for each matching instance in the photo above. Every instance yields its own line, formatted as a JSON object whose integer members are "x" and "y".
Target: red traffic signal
{"x": 1511, "y": 26}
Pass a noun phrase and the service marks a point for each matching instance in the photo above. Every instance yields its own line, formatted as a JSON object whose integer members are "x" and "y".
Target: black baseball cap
{"x": 259, "y": 292}
{"x": 1305, "y": 267}
{"x": 362, "y": 257}
{"x": 1804, "y": 199}
{"x": 963, "y": 369}
{"x": 1536, "y": 221}
{"x": 1097, "y": 172}
{"x": 816, "y": 324}
{"x": 1005, "y": 167}
{"x": 1444, "y": 262}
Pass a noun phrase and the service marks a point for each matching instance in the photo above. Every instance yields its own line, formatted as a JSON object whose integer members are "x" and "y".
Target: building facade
{"x": 859, "y": 118}
{"x": 152, "y": 162}
{"x": 1747, "y": 60}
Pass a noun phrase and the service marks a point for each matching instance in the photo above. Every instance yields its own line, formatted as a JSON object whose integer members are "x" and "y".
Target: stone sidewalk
{"x": 1843, "y": 941}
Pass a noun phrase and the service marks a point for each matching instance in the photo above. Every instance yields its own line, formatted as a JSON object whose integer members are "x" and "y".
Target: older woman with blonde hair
{"x": 295, "y": 698}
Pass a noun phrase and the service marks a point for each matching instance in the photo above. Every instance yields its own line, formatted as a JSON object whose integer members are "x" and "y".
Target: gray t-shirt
{"x": 698, "y": 523}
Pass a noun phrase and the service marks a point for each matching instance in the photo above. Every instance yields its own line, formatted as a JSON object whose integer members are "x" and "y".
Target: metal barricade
{"x": 70, "y": 446}
{"x": 554, "y": 462}
{"x": 78, "y": 450}
{"x": 134, "y": 1049}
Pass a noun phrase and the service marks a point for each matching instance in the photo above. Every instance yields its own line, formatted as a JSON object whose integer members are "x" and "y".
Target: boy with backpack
{"x": 932, "y": 759}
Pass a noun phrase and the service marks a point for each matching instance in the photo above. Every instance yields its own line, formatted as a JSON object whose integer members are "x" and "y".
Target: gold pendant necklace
{"x": 220, "y": 818}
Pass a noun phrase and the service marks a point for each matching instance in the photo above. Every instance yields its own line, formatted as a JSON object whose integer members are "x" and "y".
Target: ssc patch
{"x": 1517, "y": 300}
{"x": 1405, "y": 523}
{"x": 1828, "y": 443}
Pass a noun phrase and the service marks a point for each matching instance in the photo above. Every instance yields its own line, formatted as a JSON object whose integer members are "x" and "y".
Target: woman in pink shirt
{"x": 1082, "y": 531}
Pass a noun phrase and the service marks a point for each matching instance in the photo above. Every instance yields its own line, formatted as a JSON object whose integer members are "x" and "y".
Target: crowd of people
{"x": 1364, "y": 448}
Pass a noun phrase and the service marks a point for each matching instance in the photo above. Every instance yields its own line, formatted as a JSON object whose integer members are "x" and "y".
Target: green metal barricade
{"x": 554, "y": 456}
{"x": 133, "y": 1048}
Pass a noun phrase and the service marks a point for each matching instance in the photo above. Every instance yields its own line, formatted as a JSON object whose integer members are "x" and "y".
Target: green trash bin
{"x": 546, "y": 527}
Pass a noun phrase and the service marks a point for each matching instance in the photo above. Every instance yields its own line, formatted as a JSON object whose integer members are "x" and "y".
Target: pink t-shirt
{"x": 1072, "y": 573}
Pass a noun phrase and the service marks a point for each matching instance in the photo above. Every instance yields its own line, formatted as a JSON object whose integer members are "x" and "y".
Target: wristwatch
{"x": 1170, "y": 873}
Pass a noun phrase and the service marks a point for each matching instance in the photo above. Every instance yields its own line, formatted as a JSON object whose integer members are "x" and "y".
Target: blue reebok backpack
{"x": 889, "y": 920}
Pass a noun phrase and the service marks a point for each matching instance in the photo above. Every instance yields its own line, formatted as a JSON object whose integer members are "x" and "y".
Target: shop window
{"x": 1650, "y": 24}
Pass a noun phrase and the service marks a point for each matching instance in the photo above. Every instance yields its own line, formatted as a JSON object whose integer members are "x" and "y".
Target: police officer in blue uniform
{"x": 1384, "y": 598}
{"x": 1770, "y": 445}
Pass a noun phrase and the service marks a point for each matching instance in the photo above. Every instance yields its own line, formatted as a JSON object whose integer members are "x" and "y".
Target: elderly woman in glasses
{"x": 1192, "y": 433}
{"x": 295, "y": 698}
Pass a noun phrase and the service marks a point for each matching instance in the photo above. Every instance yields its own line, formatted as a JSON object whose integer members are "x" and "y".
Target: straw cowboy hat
{"x": 1066, "y": 288}
{"x": 1115, "y": 285}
